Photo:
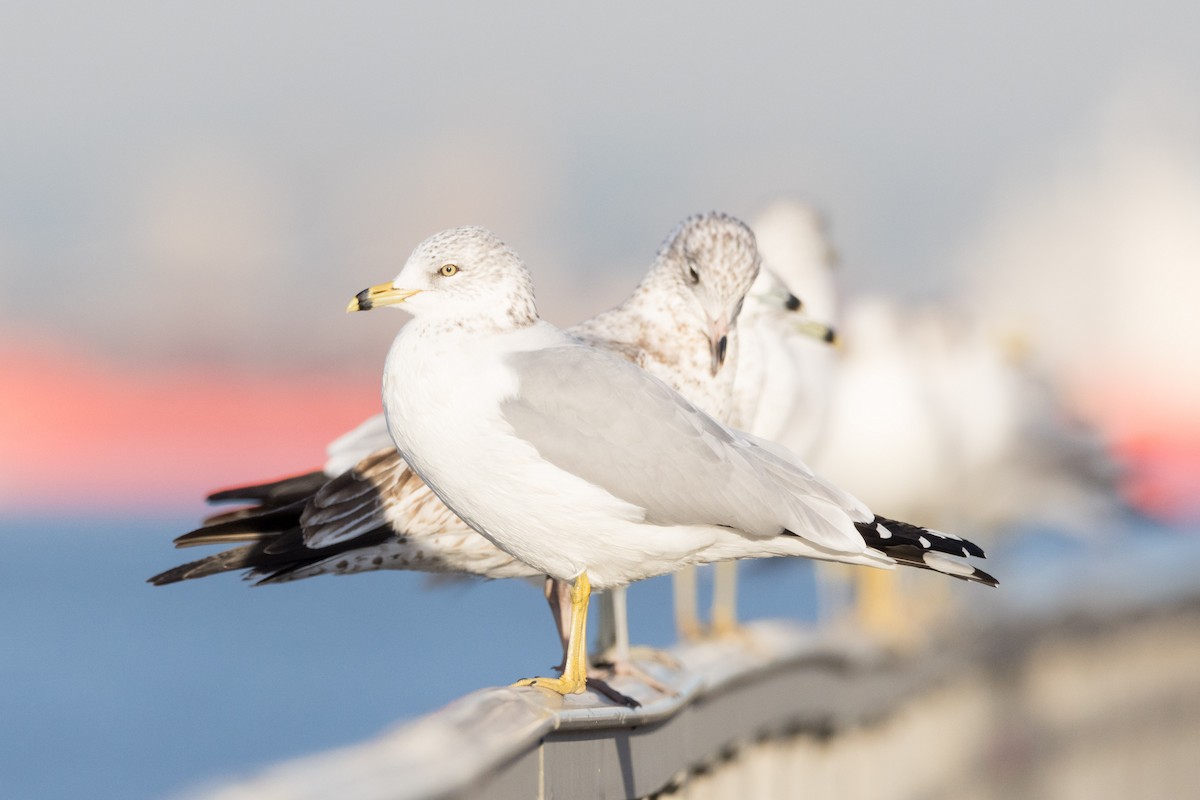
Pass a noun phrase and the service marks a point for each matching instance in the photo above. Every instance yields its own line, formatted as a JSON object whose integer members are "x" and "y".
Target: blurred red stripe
{"x": 79, "y": 432}
{"x": 1164, "y": 476}
{"x": 1155, "y": 432}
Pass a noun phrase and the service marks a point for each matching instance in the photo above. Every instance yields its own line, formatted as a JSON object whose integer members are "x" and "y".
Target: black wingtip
{"x": 905, "y": 533}
{"x": 982, "y": 577}
{"x": 250, "y": 526}
{"x": 174, "y": 575}
{"x": 282, "y": 491}
{"x": 915, "y": 546}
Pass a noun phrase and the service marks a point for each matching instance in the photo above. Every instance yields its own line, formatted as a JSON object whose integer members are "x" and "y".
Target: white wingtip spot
{"x": 944, "y": 535}
{"x": 924, "y": 542}
{"x": 948, "y": 565}
{"x": 884, "y": 533}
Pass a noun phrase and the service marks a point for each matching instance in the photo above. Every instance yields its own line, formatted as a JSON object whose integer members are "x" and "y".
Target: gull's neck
{"x": 660, "y": 288}
{"x": 496, "y": 319}
{"x": 647, "y": 314}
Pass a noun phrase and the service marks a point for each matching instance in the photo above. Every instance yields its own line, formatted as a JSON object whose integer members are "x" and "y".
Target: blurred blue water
{"x": 115, "y": 688}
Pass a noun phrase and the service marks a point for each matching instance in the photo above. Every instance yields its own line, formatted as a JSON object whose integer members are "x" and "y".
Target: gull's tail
{"x": 276, "y": 493}
{"x": 225, "y": 561}
{"x": 915, "y": 546}
{"x": 271, "y": 558}
{"x": 252, "y": 524}
{"x": 272, "y": 529}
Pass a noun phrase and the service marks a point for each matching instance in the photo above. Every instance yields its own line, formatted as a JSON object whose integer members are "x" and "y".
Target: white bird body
{"x": 465, "y": 450}
{"x": 453, "y": 438}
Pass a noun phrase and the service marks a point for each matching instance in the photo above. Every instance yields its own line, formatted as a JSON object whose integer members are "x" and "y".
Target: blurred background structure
{"x": 189, "y": 193}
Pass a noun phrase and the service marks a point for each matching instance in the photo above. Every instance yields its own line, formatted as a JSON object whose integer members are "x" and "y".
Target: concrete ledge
{"x": 1000, "y": 705}
{"x": 527, "y": 742}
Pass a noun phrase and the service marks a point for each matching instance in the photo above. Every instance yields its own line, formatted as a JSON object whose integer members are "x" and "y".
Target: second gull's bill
{"x": 585, "y": 467}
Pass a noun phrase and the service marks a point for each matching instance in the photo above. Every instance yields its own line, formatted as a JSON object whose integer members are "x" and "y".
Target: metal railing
{"x": 1013, "y": 704}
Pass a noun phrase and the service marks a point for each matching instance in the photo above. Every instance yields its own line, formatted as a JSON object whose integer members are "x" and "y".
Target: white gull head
{"x": 462, "y": 277}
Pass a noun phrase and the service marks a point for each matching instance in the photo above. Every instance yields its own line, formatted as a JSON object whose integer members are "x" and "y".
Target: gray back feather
{"x": 619, "y": 428}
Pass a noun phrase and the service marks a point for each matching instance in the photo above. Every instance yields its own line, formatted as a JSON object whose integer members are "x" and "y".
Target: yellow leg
{"x": 687, "y": 617}
{"x": 881, "y": 610}
{"x": 574, "y": 677}
{"x": 724, "y": 607}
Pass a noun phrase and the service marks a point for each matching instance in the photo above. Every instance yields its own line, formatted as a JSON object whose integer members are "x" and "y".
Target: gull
{"x": 967, "y": 434}
{"x": 785, "y": 364}
{"x": 1002, "y": 446}
{"x": 581, "y": 465}
{"x": 366, "y": 510}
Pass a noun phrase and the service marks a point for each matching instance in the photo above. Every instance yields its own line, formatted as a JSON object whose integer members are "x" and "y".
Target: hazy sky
{"x": 213, "y": 180}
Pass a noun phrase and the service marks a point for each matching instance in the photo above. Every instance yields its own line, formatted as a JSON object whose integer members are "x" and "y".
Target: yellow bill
{"x": 385, "y": 294}
{"x": 818, "y": 331}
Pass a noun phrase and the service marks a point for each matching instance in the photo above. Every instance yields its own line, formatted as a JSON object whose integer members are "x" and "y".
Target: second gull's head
{"x": 706, "y": 266}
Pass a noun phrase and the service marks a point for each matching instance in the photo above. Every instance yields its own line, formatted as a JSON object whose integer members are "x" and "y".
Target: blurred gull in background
{"x": 923, "y": 412}
{"x": 937, "y": 418}
{"x": 1001, "y": 446}
{"x": 1095, "y": 261}
{"x": 782, "y": 388}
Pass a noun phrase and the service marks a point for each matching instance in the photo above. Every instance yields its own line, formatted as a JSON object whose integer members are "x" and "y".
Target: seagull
{"x": 366, "y": 510}
{"x": 968, "y": 434}
{"x": 585, "y": 467}
{"x": 785, "y": 365}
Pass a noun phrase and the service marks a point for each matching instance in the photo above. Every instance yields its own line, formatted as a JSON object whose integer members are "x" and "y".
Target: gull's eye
{"x": 693, "y": 274}
{"x": 447, "y": 270}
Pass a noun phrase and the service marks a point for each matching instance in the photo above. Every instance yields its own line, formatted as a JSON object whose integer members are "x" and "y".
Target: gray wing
{"x": 344, "y": 452}
{"x": 616, "y": 426}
